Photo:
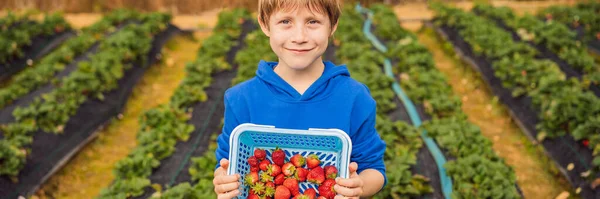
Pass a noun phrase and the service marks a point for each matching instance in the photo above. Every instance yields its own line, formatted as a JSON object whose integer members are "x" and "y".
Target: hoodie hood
{"x": 283, "y": 90}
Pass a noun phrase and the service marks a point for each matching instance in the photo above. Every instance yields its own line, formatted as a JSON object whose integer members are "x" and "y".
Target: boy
{"x": 301, "y": 91}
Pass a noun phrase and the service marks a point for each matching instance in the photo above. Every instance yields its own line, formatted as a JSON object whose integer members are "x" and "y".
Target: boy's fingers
{"x": 347, "y": 192}
{"x": 226, "y": 179}
{"x": 223, "y": 188}
{"x": 352, "y": 167}
{"x": 349, "y": 182}
{"x": 224, "y": 163}
{"x": 229, "y": 195}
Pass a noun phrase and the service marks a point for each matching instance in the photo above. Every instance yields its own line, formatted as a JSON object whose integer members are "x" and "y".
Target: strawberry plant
{"x": 449, "y": 126}
{"x": 161, "y": 128}
{"x": 583, "y": 14}
{"x": 556, "y": 37}
{"x": 563, "y": 105}
{"x": 43, "y": 72}
{"x": 51, "y": 111}
{"x": 19, "y": 34}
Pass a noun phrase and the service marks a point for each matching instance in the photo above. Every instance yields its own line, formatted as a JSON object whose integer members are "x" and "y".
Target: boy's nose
{"x": 299, "y": 35}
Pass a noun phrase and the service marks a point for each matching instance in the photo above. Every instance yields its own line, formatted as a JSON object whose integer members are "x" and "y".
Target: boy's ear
{"x": 264, "y": 28}
{"x": 333, "y": 29}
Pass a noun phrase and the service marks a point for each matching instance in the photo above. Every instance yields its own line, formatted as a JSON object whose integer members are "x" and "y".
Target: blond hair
{"x": 329, "y": 7}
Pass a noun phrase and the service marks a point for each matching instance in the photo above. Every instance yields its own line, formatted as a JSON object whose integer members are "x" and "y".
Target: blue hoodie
{"x": 333, "y": 101}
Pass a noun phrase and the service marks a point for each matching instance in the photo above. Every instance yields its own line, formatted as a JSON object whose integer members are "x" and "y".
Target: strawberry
{"x": 270, "y": 184}
{"x": 252, "y": 195}
{"x": 598, "y": 35}
{"x": 316, "y": 175}
{"x": 301, "y": 174}
{"x": 586, "y": 143}
{"x": 264, "y": 165}
{"x": 252, "y": 161}
{"x": 326, "y": 189}
{"x": 330, "y": 172}
{"x": 282, "y": 192}
{"x": 311, "y": 193}
{"x": 292, "y": 185}
{"x": 254, "y": 169}
{"x": 265, "y": 177}
{"x": 251, "y": 178}
{"x": 258, "y": 188}
{"x": 279, "y": 179}
{"x": 270, "y": 189}
{"x": 260, "y": 154}
{"x": 273, "y": 170}
{"x": 278, "y": 156}
{"x": 288, "y": 169}
{"x": 312, "y": 161}
{"x": 300, "y": 196}
{"x": 321, "y": 197}
{"x": 298, "y": 160}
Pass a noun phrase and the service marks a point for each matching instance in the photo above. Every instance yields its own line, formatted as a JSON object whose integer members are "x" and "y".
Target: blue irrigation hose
{"x": 438, "y": 156}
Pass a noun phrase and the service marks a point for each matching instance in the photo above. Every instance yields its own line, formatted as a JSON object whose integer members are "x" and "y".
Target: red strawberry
{"x": 326, "y": 189}
{"x": 316, "y": 175}
{"x": 328, "y": 182}
{"x": 321, "y": 197}
{"x": 311, "y": 193}
{"x": 265, "y": 177}
{"x": 301, "y": 196}
{"x": 270, "y": 184}
{"x": 258, "y": 188}
{"x": 298, "y": 160}
{"x": 270, "y": 189}
{"x": 273, "y": 170}
{"x": 330, "y": 172}
{"x": 292, "y": 185}
{"x": 288, "y": 169}
{"x": 254, "y": 169}
{"x": 279, "y": 179}
{"x": 264, "y": 165}
{"x": 252, "y": 195}
{"x": 301, "y": 174}
{"x": 260, "y": 154}
{"x": 586, "y": 143}
{"x": 251, "y": 178}
{"x": 252, "y": 161}
{"x": 282, "y": 192}
{"x": 278, "y": 156}
{"x": 598, "y": 35}
{"x": 312, "y": 161}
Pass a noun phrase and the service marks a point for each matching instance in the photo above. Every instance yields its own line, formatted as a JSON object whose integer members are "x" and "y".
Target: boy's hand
{"x": 226, "y": 186}
{"x": 349, "y": 187}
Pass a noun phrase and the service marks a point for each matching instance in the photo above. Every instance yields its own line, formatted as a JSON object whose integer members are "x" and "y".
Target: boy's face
{"x": 299, "y": 37}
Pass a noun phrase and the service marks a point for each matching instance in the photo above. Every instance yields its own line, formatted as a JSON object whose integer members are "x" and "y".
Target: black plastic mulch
{"x": 40, "y": 46}
{"x": 206, "y": 118}
{"x": 49, "y": 152}
{"x": 545, "y": 53}
{"x": 6, "y": 112}
{"x": 562, "y": 150}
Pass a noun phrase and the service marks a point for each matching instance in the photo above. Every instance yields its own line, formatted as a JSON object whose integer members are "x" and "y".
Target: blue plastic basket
{"x": 333, "y": 146}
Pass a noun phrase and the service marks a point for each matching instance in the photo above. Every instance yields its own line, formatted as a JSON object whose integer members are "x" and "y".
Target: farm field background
{"x": 127, "y": 104}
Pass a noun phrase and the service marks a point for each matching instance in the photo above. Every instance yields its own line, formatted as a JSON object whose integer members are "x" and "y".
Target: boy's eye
{"x": 285, "y": 21}
{"x": 313, "y": 22}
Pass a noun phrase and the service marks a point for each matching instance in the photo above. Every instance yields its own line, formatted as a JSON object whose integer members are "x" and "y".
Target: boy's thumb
{"x": 224, "y": 163}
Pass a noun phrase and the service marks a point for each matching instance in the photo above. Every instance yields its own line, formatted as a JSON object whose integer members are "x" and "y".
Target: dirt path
{"x": 91, "y": 169}
{"x": 535, "y": 173}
